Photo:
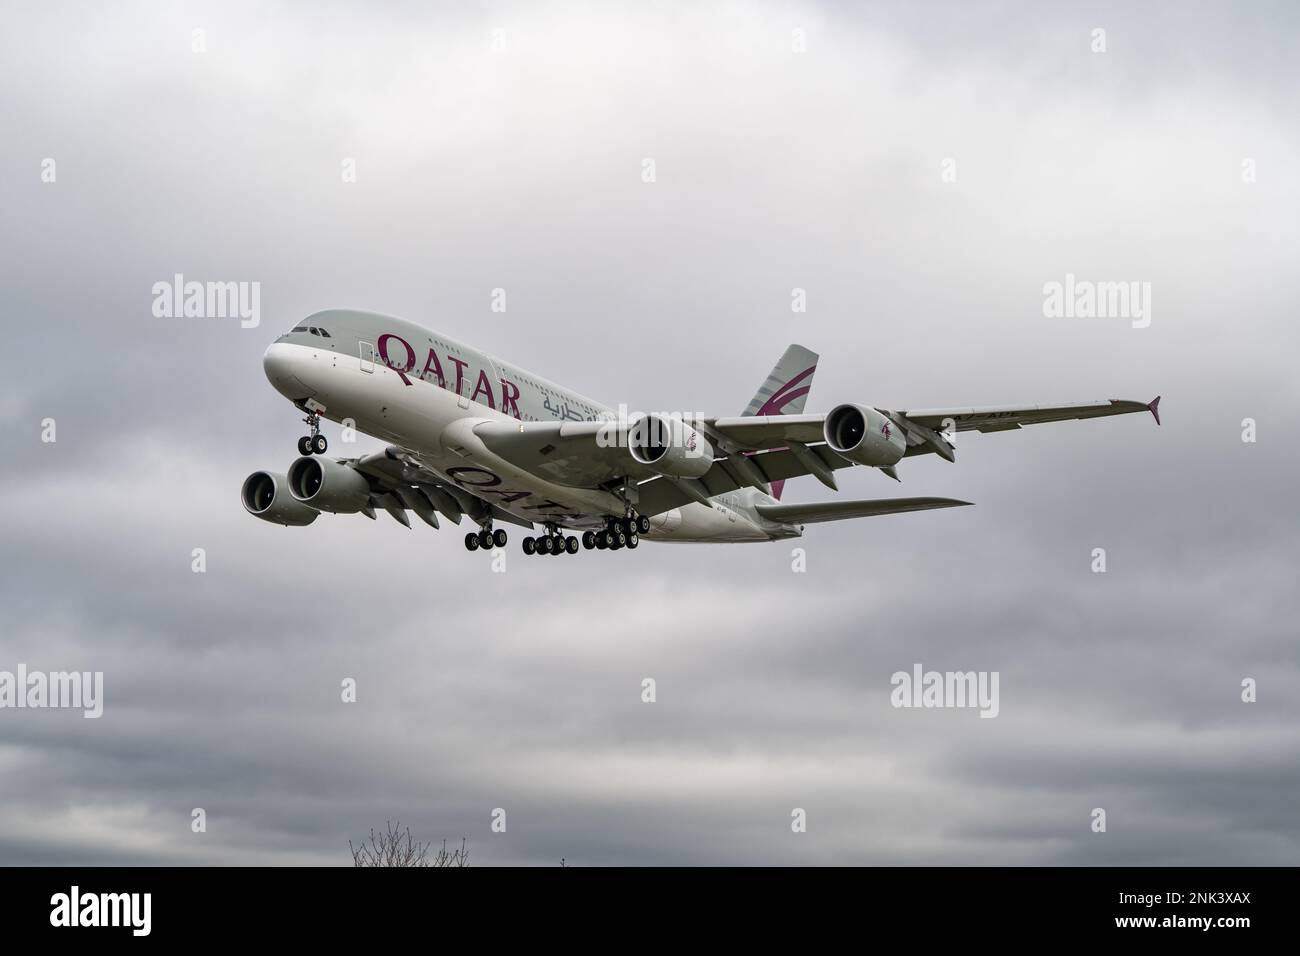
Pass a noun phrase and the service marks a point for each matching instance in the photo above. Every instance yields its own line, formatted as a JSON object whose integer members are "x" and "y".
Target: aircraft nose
{"x": 280, "y": 365}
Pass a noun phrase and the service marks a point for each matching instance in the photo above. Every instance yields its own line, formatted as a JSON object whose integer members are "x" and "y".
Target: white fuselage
{"x": 416, "y": 389}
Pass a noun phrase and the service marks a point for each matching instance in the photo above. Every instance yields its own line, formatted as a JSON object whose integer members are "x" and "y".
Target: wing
{"x": 767, "y": 432}
{"x": 400, "y": 483}
{"x": 1005, "y": 417}
{"x": 575, "y": 454}
{"x": 753, "y": 451}
{"x": 839, "y": 510}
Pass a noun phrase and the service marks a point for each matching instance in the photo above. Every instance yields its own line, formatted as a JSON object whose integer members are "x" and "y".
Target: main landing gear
{"x": 551, "y": 543}
{"x": 487, "y": 539}
{"x": 315, "y": 443}
{"x": 618, "y": 533}
{"x": 621, "y": 533}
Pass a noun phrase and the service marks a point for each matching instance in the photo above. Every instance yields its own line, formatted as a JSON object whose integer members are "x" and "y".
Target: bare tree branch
{"x": 396, "y": 847}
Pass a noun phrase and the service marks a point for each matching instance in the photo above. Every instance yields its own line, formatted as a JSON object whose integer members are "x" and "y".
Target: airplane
{"x": 473, "y": 436}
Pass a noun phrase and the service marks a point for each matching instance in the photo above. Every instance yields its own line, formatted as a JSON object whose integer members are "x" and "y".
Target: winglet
{"x": 1154, "y": 406}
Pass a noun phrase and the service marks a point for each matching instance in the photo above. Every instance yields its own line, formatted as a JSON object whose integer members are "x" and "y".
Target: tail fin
{"x": 785, "y": 390}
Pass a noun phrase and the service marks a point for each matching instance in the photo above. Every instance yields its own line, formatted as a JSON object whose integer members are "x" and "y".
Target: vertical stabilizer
{"x": 785, "y": 390}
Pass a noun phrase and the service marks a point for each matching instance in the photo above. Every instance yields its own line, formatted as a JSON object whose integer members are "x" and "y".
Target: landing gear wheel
{"x": 571, "y": 544}
{"x": 557, "y": 545}
{"x": 304, "y": 445}
{"x": 499, "y": 537}
{"x": 627, "y": 526}
{"x": 618, "y": 539}
{"x": 588, "y": 539}
{"x": 485, "y": 539}
{"x": 542, "y": 545}
{"x": 602, "y": 541}
{"x": 471, "y": 541}
{"x": 530, "y": 546}
{"x": 319, "y": 444}
{"x": 633, "y": 540}
{"x": 642, "y": 524}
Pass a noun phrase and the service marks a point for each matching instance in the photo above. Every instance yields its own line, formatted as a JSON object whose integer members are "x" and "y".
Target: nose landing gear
{"x": 315, "y": 443}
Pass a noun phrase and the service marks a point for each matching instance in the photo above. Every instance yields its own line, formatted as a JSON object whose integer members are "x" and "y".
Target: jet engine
{"x": 326, "y": 485}
{"x": 265, "y": 495}
{"x": 669, "y": 446}
{"x": 864, "y": 436}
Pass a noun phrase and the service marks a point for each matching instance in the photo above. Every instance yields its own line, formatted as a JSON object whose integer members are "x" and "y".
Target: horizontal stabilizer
{"x": 838, "y": 510}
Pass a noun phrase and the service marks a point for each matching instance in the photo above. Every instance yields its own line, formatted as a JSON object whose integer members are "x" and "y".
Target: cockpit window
{"x": 299, "y": 328}
{"x": 324, "y": 334}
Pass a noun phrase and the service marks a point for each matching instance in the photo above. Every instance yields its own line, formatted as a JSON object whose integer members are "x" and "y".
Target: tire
{"x": 304, "y": 445}
{"x": 530, "y": 546}
{"x": 602, "y": 541}
{"x": 620, "y": 538}
{"x": 642, "y": 524}
{"x": 588, "y": 539}
{"x": 485, "y": 539}
{"x": 499, "y": 537}
{"x": 557, "y": 545}
{"x": 319, "y": 445}
{"x": 541, "y": 545}
{"x": 633, "y": 540}
{"x": 571, "y": 544}
{"x": 471, "y": 542}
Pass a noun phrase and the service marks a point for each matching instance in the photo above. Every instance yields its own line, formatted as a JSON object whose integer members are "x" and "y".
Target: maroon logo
{"x": 404, "y": 366}
{"x": 484, "y": 483}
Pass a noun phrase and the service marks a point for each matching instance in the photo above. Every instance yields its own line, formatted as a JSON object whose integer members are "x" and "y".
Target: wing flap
{"x": 397, "y": 477}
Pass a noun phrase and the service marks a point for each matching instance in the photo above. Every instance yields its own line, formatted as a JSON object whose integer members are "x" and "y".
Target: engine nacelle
{"x": 863, "y": 435}
{"x": 669, "y": 446}
{"x": 326, "y": 485}
{"x": 265, "y": 495}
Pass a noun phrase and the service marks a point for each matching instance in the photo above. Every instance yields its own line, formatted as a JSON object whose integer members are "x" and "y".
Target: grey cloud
{"x": 776, "y": 171}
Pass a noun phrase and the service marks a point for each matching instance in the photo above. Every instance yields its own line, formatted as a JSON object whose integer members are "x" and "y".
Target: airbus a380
{"x": 472, "y": 436}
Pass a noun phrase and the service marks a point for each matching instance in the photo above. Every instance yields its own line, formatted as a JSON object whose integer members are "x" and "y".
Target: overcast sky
{"x": 514, "y": 160}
